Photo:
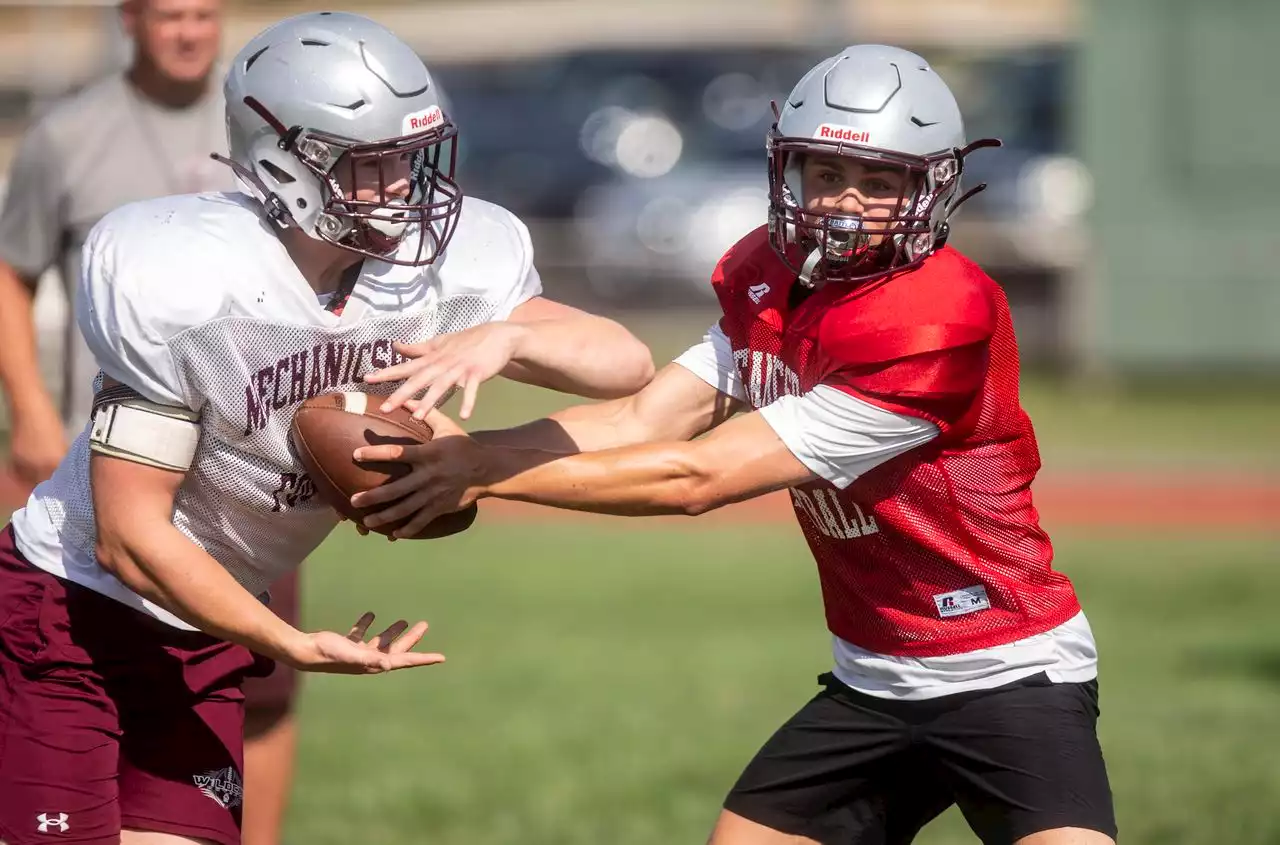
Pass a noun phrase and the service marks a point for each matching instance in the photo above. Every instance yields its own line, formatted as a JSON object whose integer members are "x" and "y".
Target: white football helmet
{"x": 885, "y": 106}
{"x": 326, "y": 94}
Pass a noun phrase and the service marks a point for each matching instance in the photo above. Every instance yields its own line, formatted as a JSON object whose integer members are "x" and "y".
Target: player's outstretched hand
{"x": 462, "y": 359}
{"x": 328, "y": 651}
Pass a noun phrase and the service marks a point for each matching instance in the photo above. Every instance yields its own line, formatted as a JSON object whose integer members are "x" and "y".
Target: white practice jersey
{"x": 193, "y": 301}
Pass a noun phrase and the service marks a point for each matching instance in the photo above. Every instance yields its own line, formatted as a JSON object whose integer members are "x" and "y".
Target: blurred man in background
{"x": 143, "y": 133}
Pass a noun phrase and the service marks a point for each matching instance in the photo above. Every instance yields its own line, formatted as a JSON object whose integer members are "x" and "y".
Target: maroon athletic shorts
{"x": 110, "y": 718}
{"x": 271, "y": 697}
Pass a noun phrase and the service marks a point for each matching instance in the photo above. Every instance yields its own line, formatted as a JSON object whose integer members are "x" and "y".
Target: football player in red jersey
{"x": 876, "y": 370}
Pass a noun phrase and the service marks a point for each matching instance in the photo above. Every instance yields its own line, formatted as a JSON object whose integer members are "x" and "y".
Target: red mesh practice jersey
{"x": 939, "y": 550}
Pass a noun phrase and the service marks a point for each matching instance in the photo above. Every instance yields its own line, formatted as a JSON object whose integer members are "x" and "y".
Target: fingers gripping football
{"x": 443, "y": 479}
{"x": 325, "y": 434}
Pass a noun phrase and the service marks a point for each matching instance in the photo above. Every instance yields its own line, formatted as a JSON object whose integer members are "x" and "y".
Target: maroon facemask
{"x": 836, "y": 247}
{"x": 377, "y": 228}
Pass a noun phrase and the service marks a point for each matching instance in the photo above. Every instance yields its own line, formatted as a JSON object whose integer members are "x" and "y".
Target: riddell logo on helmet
{"x": 831, "y": 132}
{"x": 422, "y": 121}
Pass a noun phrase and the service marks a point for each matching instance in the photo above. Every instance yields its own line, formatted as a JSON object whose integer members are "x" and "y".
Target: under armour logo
{"x": 52, "y": 822}
{"x": 757, "y": 292}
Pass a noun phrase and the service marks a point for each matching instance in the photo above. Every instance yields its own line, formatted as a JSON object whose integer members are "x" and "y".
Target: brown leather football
{"x": 326, "y": 431}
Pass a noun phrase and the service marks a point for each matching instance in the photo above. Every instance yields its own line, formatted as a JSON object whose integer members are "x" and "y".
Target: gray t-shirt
{"x": 101, "y": 148}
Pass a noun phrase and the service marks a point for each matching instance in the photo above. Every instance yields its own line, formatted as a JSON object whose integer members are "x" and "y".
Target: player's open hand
{"x": 443, "y": 479}
{"x": 464, "y": 359}
{"x": 331, "y": 652}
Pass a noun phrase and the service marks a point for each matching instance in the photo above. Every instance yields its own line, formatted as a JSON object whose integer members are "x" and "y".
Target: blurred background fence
{"x": 1130, "y": 215}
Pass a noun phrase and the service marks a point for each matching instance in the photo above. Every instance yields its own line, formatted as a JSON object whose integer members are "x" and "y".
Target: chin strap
{"x": 806, "y": 271}
{"x": 275, "y": 207}
{"x": 961, "y": 154}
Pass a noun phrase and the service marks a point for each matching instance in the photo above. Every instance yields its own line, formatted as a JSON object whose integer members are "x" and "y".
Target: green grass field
{"x": 606, "y": 685}
{"x": 606, "y": 682}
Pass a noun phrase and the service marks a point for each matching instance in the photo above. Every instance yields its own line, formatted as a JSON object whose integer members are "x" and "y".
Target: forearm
{"x": 740, "y": 460}
{"x": 664, "y": 474}
{"x": 584, "y": 355}
{"x": 675, "y": 405}
{"x": 653, "y": 479}
{"x": 582, "y": 428}
{"x": 164, "y": 566}
{"x": 19, "y": 362}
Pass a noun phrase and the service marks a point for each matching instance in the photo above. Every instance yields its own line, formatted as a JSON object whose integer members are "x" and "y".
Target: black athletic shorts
{"x": 850, "y": 768}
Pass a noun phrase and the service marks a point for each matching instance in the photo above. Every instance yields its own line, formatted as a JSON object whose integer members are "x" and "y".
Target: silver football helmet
{"x": 328, "y": 96}
{"x": 887, "y": 107}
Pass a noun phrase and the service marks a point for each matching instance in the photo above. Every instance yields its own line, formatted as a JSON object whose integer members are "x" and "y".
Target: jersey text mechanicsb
{"x": 939, "y": 550}
{"x": 193, "y": 301}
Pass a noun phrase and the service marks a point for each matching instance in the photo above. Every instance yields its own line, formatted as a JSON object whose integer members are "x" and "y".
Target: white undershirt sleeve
{"x": 712, "y": 361}
{"x": 839, "y": 436}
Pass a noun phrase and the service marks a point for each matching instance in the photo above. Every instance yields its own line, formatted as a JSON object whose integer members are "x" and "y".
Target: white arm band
{"x": 146, "y": 432}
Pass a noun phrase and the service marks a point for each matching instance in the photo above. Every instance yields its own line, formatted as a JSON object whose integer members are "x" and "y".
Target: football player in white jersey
{"x": 133, "y": 584}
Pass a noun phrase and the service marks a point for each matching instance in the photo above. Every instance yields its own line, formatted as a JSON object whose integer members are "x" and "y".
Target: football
{"x": 327, "y": 429}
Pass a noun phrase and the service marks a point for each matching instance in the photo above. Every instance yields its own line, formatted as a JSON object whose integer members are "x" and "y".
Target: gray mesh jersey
{"x": 193, "y": 301}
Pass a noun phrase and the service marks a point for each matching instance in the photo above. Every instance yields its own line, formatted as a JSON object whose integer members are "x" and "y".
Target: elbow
{"x": 641, "y": 369}
{"x": 633, "y": 369}
{"x": 700, "y": 494}
{"x": 115, "y": 558}
{"x": 110, "y": 555}
{"x": 696, "y": 481}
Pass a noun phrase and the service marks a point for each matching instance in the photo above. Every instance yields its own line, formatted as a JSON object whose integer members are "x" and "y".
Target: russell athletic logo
{"x": 961, "y": 602}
